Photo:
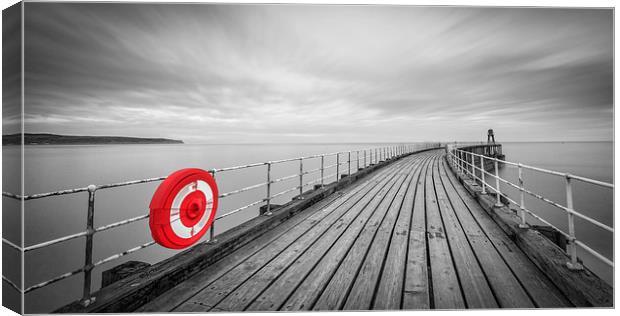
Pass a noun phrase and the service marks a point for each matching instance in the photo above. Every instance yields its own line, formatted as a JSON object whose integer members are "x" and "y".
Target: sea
{"x": 52, "y": 168}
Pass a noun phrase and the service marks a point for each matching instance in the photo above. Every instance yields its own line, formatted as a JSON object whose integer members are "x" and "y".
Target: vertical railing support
{"x": 573, "y": 264}
{"x": 483, "y": 176}
{"x": 365, "y": 165}
{"x": 301, "y": 178}
{"x": 268, "y": 210}
{"x": 470, "y": 164}
{"x": 212, "y": 239}
{"x": 498, "y": 203}
{"x": 522, "y": 198}
{"x": 349, "y": 166}
{"x": 322, "y": 170}
{"x": 337, "y": 167}
{"x": 358, "y": 160}
{"x": 88, "y": 256}
{"x": 473, "y": 165}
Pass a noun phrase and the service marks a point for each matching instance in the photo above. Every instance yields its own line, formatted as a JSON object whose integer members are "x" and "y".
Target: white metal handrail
{"x": 463, "y": 161}
{"x": 370, "y": 156}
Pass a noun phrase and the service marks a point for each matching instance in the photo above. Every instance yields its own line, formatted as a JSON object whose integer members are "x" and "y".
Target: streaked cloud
{"x": 313, "y": 73}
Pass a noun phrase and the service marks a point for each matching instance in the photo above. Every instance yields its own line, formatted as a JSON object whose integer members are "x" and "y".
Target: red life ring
{"x": 183, "y": 208}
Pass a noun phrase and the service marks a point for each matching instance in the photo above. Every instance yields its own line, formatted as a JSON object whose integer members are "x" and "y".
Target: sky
{"x": 217, "y": 73}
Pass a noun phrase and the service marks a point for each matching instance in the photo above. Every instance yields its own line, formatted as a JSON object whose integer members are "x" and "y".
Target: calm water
{"x": 52, "y": 168}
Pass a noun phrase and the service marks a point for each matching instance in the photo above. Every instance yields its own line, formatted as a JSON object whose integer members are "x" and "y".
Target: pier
{"x": 410, "y": 228}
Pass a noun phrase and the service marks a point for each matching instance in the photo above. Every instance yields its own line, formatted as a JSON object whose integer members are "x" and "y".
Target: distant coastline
{"x": 54, "y": 139}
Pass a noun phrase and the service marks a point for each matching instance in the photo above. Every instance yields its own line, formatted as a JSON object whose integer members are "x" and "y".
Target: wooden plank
{"x": 223, "y": 286}
{"x": 302, "y": 283}
{"x": 336, "y": 292}
{"x": 476, "y": 289}
{"x": 445, "y": 284}
{"x": 363, "y": 290}
{"x": 507, "y": 289}
{"x": 390, "y": 290}
{"x": 543, "y": 292}
{"x": 303, "y": 248}
{"x": 416, "y": 293}
{"x": 583, "y": 288}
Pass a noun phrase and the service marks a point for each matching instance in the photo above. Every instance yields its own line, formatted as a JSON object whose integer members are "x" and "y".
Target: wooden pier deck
{"x": 409, "y": 236}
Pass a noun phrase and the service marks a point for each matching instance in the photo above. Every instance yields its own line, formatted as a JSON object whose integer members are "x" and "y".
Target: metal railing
{"x": 365, "y": 157}
{"x": 464, "y": 162}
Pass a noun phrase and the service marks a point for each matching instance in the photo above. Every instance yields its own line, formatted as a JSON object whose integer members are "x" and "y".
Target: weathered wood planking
{"x": 389, "y": 291}
{"x": 244, "y": 295}
{"x": 222, "y": 287}
{"x": 320, "y": 263}
{"x": 445, "y": 284}
{"x": 506, "y": 287}
{"x": 476, "y": 289}
{"x": 336, "y": 292}
{"x": 538, "y": 286}
{"x": 363, "y": 290}
{"x": 416, "y": 293}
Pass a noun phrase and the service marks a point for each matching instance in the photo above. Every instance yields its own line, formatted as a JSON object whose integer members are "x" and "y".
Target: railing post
{"x": 268, "y": 211}
{"x": 470, "y": 164}
{"x": 522, "y": 202}
{"x": 301, "y": 178}
{"x": 473, "y": 165}
{"x": 482, "y": 175}
{"x": 365, "y": 165}
{"x": 337, "y": 167}
{"x": 358, "y": 160}
{"x": 88, "y": 256}
{"x": 573, "y": 264}
{"x": 322, "y": 170}
{"x": 212, "y": 239}
{"x": 499, "y": 194}
{"x": 349, "y": 168}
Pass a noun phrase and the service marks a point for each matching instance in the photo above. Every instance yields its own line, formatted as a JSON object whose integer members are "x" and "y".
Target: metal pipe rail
{"x": 463, "y": 161}
{"x": 370, "y": 156}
